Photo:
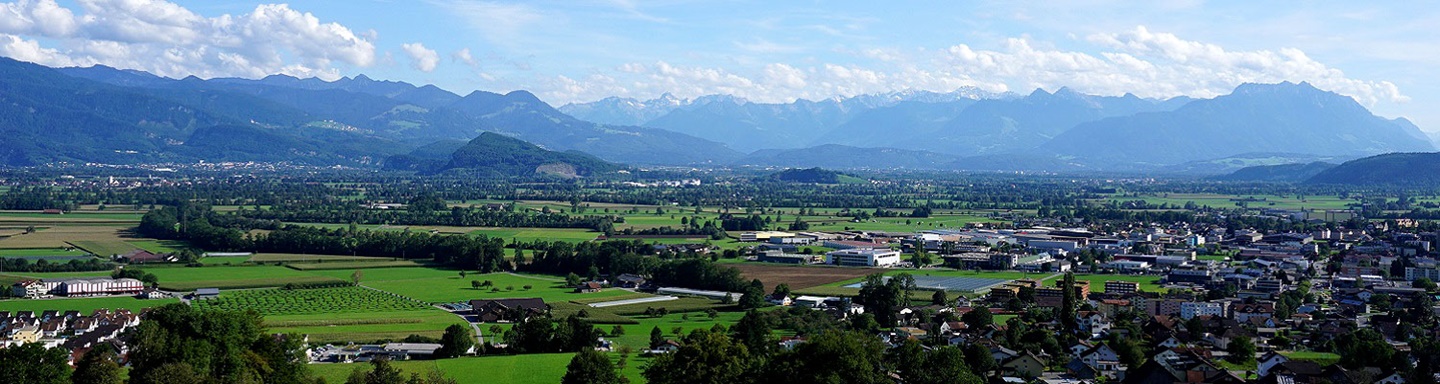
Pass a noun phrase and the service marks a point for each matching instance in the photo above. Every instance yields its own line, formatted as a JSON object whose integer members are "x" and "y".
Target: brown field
{"x": 799, "y": 277}
{"x": 61, "y": 236}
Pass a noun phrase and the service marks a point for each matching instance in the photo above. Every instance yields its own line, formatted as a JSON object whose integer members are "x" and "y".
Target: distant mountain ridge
{"x": 108, "y": 115}
{"x": 388, "y": 117}
{"x": 1393, "y": 169}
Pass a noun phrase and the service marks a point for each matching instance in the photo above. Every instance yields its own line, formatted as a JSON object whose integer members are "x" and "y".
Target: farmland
{"x": 84, "y": 305}
{"x": 309, "y": 301}
{"x": 799, "y": 277}
{"x": 189, "y": 279}
{"x": 364, "y": 326}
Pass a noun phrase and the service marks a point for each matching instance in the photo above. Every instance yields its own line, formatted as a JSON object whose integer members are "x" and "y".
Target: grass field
{"x": 352, "y": 265}
{"x": 84, "y": 305}
{"x": 1097, "y": 282}
{"x": 31, "y": 252}
{"x": 441, "y": 286}
{"x": 532, "y": 234}
{"x": 159, "y": 246}
{"x": 189, "y": 279}
{"x": 222, "y": 260}
{"x": 60, "y": 236}
{"x": 364, "y": 326}
{"x": 1229, "y": 201}
{"x": 1322, "y": 358}
{"x": 306, "y": 258}
{"x": 517, "y": 369}
{"x": 560, "y": 310}
{"x": 105, "y": 247}
{"x": 683, "y": 304}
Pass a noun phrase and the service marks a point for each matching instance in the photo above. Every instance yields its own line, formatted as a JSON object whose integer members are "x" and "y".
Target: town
{"x": 1266, "y": 290}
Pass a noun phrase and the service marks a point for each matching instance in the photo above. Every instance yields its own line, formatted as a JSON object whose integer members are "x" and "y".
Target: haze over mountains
{"x": 101, "y": 114}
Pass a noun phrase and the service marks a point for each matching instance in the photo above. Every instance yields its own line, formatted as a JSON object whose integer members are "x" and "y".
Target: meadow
{"x": 340, "y": 328}
{"x": 233, "y": 277}
{"x": 84, "y": 305}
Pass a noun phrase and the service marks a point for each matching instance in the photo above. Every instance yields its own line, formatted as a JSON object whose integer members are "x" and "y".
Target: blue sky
{"x": 1384, "y": 54}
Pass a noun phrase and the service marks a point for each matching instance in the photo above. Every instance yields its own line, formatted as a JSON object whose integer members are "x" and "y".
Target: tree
{"x": 381, "y": 372}
{"x": 572, "y": 280}
{"x": 833, "y": 357}
{"x": 705, "y": 358}
{"x": 979, "y": 359}
{"x": 753, "y": 330}
{"x": 590, "y": 367}
{"x": 939, "y": 298}
{"x": 978, "y": 318}
{"x": 241, "y": 350}
{"x": 33, "y": 363}
{"x": 1067, "y": 305}
{"x": 1242, "y": 350}
{"x": 355, "y": 277}
{"x": 781, "y": 290}
{"x": 753, "y": 298}
{"x": 657, "y": 337}
{"x": 456, "y": 341}
{"x": 97, "y": 366}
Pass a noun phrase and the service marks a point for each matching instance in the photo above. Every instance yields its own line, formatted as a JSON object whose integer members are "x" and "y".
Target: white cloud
{"x": 1136, "y": 61}
{"x": 37, "y": 17}
{"x": 30, "y": 50}
{"x": 169, "y": 40}
{"x": 421, "y": 58}
{"x": 463, "y": 56}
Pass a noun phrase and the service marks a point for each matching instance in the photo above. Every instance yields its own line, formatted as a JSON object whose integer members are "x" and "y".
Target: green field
{"x": 440, "y": 286}
{"x": 1291, "y": 202}
{"x": 222, "y": 260}
{"x": 364, "y": 326}
{"x": 126, "y": 216}
{"x": 306, "y": 258}
{"x": 159, "y": 246}
{"x": 1097, "y": 282}
{"x": 84, "y": 305}
{"x": 519, "y": 369}
{"x": 352, "y": 265}
{"x": 546, "y": 234}
{"x": 105, "y": 247}
{"x": 308, "y": 301}
{"x": 189, "y": 279}
{"x": 1322, "y": 358}
{"x": 34, "y": 252}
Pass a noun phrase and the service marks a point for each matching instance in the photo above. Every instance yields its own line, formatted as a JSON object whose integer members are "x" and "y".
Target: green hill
{"x": 493, "y": 154}
{"x": 1394, "y": 169}
{"x": 1282, "y": 172}
{"x": 814, "y": 176}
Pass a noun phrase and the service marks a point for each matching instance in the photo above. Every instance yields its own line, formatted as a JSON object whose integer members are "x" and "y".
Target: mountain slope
{"x": 841, "y": 156}
{"x": 1282, "y": 117}
{"x": 497, "y": 155}
{"x": 1283, "y": 172}
{"x": 1394, "y": 169}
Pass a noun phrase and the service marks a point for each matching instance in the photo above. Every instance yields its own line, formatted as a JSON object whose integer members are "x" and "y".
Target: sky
{"x": 1384, "y": 54}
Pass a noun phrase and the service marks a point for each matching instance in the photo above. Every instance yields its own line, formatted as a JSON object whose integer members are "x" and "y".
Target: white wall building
{"x": 863, "y": 257}
{"x": 1189, "y": 310}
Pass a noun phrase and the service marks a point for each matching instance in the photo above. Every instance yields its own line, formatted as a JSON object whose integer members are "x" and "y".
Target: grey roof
{"x": 207, "y": 291}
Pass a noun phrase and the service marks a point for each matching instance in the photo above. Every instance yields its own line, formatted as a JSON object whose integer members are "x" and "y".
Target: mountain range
{"x": 108, "y": 115}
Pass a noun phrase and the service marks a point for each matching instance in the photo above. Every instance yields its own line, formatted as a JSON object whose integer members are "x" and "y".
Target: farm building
{"x": 77, "y": 287}
{"x": 207, "y": 293}
{"x": 489, "y": 311}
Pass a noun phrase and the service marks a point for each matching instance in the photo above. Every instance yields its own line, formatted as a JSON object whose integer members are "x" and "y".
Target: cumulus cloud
{"x": 463, "y": 56}
{"x": 421, "y": 58}
{"x": 169, "y": 40}
{"x": 1138, "y": 61}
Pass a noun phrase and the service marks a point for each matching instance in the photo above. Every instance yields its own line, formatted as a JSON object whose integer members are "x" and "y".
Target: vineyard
{"x": 271, "y": 302}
